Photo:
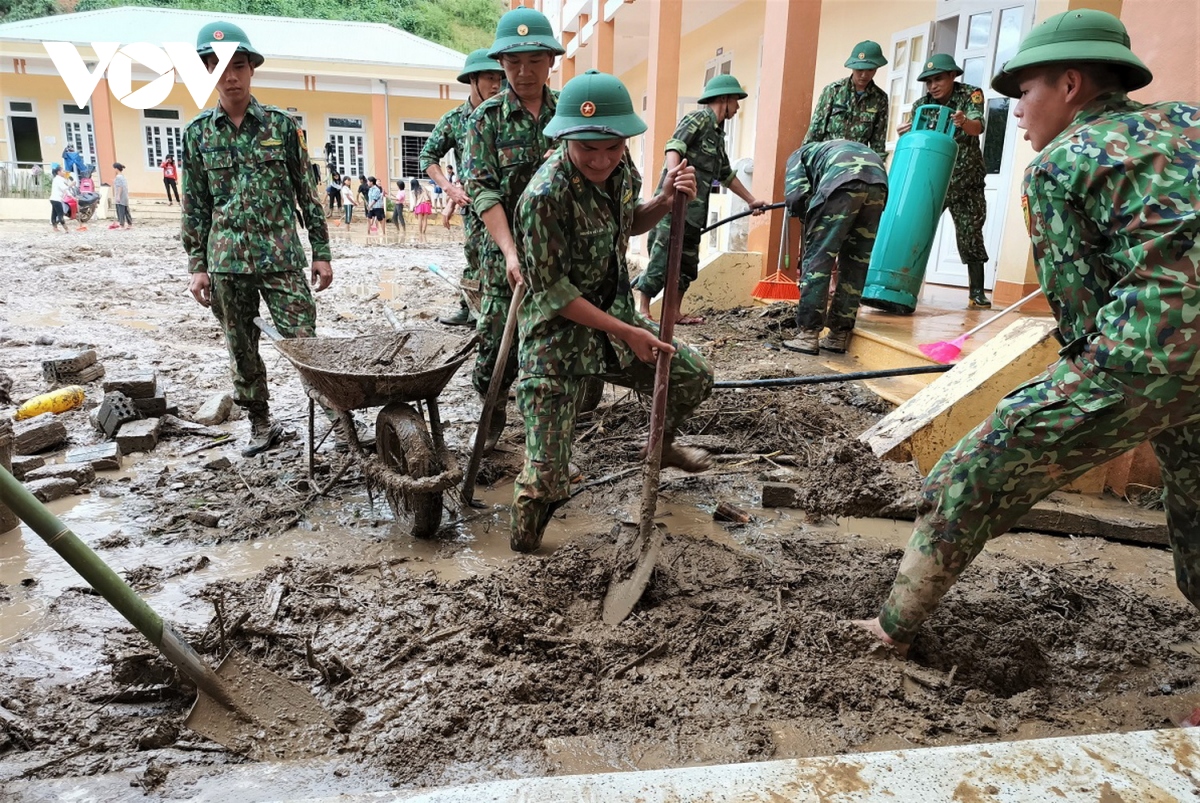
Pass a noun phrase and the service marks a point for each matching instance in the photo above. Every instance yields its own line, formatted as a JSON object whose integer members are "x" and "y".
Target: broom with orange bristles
{"x": 779, "y": 286}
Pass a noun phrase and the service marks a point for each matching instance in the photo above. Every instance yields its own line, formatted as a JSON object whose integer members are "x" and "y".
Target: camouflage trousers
{"x": 235, "y": 303}
{"x": 968, "y": 210}
{"x": 550, "y": 405}
{"x": 653, "y": 279}
{"x": 838, "y": 236}
{"x": 1042, "y": 436}
{"x": 493, "y": 312}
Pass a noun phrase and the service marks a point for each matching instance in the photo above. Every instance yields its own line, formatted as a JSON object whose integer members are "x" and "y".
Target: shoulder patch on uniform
{"x": 1025, "y": 209}
{"x": 977, "y": 96}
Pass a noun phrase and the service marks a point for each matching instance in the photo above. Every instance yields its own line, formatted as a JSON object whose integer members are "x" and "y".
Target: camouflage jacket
{"x": 241, "y": 188}
{"x": 505, "y": 146}
{"x": 1112, "y": 210}
{"x": 969, "y": 100}
{"x": 815, "y": 170}
{"x": 843, "y": 113}
{"x": 573, "y": 235}
{"x": 450, "y": 134}
{"x": 700, "y": 139}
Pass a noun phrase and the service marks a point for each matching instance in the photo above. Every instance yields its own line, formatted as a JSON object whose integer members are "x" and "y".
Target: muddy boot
{"x": 807, "y": 341}
{"x": 460, "y": 317}
{"x": 977, "y": 299}
{"x": 496, "y": 428}
{"x": 836, "y": 341}
{"x": 529, "y": 525}
{"x": 264, "y": 433}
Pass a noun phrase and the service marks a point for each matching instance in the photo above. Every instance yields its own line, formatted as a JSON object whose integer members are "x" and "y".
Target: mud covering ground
{"x": 735, "y": 654}
{"x": 740, "y": 649}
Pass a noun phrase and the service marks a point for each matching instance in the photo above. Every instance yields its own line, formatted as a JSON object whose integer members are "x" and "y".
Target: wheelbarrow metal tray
{"x": 351, "y": 373}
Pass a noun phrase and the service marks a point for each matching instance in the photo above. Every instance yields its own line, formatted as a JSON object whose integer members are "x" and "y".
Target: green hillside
{"x": 461, "y": 24}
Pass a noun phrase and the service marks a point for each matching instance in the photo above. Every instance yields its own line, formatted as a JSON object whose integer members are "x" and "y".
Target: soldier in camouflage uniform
{"x": 965, "y": 197}
{"x": 1111, "y": 199}
{"x": 505, "y": 147}
{"x": 700, "y": 139}
{"x": 450, "y": 134}
{"x": 839, "y": 188}
{"x": 577, "y": 319}
{"x": 854, "y": 108}
{"x": 245, "y": 173}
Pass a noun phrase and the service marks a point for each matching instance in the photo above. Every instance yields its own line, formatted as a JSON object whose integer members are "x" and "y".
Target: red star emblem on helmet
{"x": 218, "y": 35}
{"x": 587, "y": 109}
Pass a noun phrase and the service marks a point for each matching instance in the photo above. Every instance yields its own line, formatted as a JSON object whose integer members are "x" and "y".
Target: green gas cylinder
{"x": 917, "y": 183}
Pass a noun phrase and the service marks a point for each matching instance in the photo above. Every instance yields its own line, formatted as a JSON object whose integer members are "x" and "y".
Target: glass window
{"x": 917, "y": 56}
{"x": 995, "y": 128}
{"x": 973, "y": 71}
{"x": 355, "y": 123}
{"x": 160, "y": 114}
{"x": 72, "y": 109}
{"x": 979, "y": 30}
{"x": 1009, "y": 34}
{"x": 20, "y": 106}
{"x": 901, "y": 53}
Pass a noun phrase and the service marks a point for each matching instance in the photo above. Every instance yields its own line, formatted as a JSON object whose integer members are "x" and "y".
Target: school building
{"x": 785, "y": 51}
{"x": 374, "y": 91}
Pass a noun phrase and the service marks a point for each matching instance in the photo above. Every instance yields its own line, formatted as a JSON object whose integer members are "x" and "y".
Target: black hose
{"x": 741, "y": 215}
{"x": 820, "y": 379}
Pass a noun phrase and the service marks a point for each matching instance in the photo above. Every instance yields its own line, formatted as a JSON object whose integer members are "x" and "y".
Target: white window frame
{"x": 415, "y": 134}
{"x": 154, "y": 161}
{"x": 723, "y": 65}
{"x": 899, "y": 114}
{"x": 12, "y": 143}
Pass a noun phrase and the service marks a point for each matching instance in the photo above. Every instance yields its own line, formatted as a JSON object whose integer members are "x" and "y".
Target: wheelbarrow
{"x": 392, "y": 371}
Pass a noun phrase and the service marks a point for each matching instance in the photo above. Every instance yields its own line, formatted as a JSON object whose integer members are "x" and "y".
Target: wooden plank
{"x": 937, "y": 417}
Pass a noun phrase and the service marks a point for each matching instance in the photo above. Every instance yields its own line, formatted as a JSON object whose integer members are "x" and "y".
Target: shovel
{"x": 623, "y": 594}
{"x": 241, "y": 705}
{"x": 492, "y": 399}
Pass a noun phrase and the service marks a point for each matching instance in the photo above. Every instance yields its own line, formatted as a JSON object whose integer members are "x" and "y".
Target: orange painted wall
{"x": 1164, "y": 35}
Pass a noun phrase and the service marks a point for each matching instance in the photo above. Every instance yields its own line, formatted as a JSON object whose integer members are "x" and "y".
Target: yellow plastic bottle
{"x": 58, "y": 401}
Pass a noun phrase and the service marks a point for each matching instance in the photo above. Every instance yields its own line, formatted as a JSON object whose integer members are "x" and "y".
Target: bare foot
{"x": 873, "y": 627}
{"x": 1191, "y": 720}
{"x": 690, "y": 320}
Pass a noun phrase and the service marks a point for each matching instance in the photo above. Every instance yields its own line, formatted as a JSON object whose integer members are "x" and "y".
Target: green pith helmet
{"x": 1081, "y": 36}
{"x": 477, "y": 61}
{"x": 524, "y": 30}
{"x": 226, "y": 32}
{"x": 937, "y": 64}
{"x": 866, "y": 55}
{"x": 594, "y": 105}
{"x": 720, "y": 86}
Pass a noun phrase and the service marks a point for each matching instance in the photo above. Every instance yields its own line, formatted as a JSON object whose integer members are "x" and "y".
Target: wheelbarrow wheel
{"x": 403, "y": 444}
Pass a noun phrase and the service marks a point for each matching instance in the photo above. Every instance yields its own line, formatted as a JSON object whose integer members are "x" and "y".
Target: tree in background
{"x": 460, "y": 24}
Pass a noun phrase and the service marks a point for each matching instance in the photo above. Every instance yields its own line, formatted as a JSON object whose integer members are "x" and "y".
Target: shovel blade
{"x": 282, "y": 720}
{"x": 624, "y": 593}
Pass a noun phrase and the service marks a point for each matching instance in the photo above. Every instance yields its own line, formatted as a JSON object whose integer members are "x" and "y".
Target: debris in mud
{"x": 726, "y": 650}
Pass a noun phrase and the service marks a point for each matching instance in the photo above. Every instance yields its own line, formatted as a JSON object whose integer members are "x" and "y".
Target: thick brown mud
{"x": 454, "y": 660}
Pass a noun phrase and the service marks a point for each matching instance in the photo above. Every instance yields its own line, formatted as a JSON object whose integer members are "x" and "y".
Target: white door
{"x": 988, "y": 32}
{"x": 349, "y": 148}
{"x": 909, "y": 50}
{"x": 78, "y": 129}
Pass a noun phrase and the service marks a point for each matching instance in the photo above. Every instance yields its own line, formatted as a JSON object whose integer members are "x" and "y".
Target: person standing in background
{"x": 170, "y": 178}
{"x": 121, "y": 199}
{"x": 854, "y": 108}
